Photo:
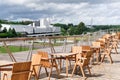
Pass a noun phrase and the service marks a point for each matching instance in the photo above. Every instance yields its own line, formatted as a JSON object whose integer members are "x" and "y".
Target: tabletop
{"x": 4, "y": 62}
{"x": 63, "y": 54}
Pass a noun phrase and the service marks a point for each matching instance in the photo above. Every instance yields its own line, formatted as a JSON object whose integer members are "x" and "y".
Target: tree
{"x": 4, "y": 30}
{"x": 10, "y": 34}
{"x": 70, "y": 24}
{"x": 80, "y": 28}
{"x": 0, "y": 25}
{"x": 63, "y": 31}
{"x": 14, "y": 32}
{"x": 71, "y": 30}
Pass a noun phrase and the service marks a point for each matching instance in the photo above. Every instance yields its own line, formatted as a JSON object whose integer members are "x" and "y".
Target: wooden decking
{"x": 104, "y": 71}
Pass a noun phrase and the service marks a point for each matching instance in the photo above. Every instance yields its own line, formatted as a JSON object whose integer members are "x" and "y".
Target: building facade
{"x": 37, "y": 27}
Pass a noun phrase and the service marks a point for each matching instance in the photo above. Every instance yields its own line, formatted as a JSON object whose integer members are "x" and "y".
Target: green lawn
{"x": 13, "y": 49}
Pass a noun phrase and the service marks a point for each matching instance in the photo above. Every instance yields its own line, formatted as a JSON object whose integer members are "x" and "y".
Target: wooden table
{"x": 66, "y": 56}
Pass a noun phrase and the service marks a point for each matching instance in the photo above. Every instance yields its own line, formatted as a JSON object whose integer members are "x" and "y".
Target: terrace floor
{"x": 103, "y": 71}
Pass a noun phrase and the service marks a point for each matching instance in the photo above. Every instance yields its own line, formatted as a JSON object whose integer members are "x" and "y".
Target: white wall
{"x": 5, "y": 25}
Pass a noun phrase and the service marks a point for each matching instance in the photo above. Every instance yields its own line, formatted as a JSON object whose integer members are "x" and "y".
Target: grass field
{"x": 13, "y": 49}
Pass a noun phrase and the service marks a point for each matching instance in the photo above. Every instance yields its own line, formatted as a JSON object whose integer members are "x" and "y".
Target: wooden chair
{"x": 20, "y": 71}
{"x": 115, "y": 42}
{"x": 79, "y": 50}
{"x": 102, "y": 42}
{"x": 35, "y": 65}
{"x": 115, "y": 46}
{"x": 83, "y": 62}
{"x": 75, "y": 49}
{"x": 47, "y": 62}
{"x": 85, "y": 48}
{"x": 96, "y": 47}
{"x": 107, "y": 53}
{"x": 108, "y": 39}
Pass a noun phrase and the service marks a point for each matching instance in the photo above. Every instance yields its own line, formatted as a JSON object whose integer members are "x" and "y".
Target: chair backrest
{"x": 36, "y": 59}
{"x": 44, "y": 62}
{"x": 86, "y": 48}
{"x": 76, "y": 49}
{"x": 21, "y": 71}
{"x": 102, "y": 40}
{"x": 96, "y": 44}
{"x": 88, "y": 57}
{"x": 106, "y": 36}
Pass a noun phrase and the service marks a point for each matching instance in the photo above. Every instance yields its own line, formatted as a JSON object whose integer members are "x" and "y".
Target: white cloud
{"x": 66, "y": 11}
{"x": 13, "y": 2}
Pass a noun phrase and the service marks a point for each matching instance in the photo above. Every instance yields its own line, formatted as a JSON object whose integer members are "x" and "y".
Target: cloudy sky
{"x": 63, "y": 11}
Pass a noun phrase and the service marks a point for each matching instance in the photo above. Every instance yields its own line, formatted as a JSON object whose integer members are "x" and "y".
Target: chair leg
{"x": 36, "y": 76}
{"x": 89, "y": 70}
{"x": 46, "y": 71}
{"x": 103, "y": 58}
{"x": 116, "y": 50}
{"x": 50, "y": 73}
{"x": 70, "y": 64}
{"x": 74, "y": 69}
{"x": 60, "y": 64}
{"x": 110, "y": 58}
{"x": 5, "y": 75}
{"x": 58, "y": 72}
{"x": 97, "y": 54}
{"x": 39, "y": 72}
{"x": 82, "y": 70}
{"x": 31, "y": 75}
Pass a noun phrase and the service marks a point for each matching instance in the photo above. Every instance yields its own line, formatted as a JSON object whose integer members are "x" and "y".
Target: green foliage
{"x": 10, "y": 33}
{"x": 81, "y": 28}
{"x": 105, "y": 27}
{"x": 14, "y": 32}
{"x": 3, "y": 35}
{"x": 71, "y": 29}
{"x": 0, "y": 25}
{"x": 63, "y": 31}
{"x": 64, "y": 26}
{"x": 17, "y": 22}
{"x": 4, "y": 30}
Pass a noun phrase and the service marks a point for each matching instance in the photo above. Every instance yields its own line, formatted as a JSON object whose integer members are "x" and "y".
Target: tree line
{"x": 9, "y": 33}
{"x": 15, "y": 22}
{"x": 81, "y": 28}
{"x": 70, "y": 29}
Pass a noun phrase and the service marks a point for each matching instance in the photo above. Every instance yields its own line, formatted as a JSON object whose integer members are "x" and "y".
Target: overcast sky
{"x": 62, "y": 11}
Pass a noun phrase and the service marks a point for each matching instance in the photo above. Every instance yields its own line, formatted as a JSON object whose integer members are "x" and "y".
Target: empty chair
{"x": 107, "y": 53}
{"x": 102, "y": 42}
{"x": 115, "y": 46}
{"x": 83, "y": 62}
{"x": 75, "y": 49}
{"x": 86, "y": 48}
{"x": 96, "y": 47}
{"x": 20, "y": 71}
{"x": 35, "y": 66}
{"x": 47, "y": 62}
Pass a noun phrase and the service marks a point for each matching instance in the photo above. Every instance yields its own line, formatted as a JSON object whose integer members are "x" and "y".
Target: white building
{"x": 37, "y": 27}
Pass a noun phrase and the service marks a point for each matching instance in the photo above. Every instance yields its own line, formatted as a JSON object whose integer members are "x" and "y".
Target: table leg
{"x": 67, "y": 66}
